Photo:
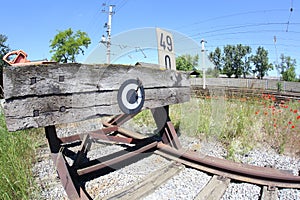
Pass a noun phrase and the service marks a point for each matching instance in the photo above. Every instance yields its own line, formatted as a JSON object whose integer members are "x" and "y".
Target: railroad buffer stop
{"x": 53, "y": 94}
{"x": 48, "y": 95}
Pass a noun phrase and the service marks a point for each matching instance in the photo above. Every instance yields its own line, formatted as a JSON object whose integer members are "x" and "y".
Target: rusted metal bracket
{"x": 84, "y": 148}
{"x": 70, "y": 175}
{"x": 67, "y": 176}
{"x": 165, "y": 127}
{"x": 121, "y": 119}
{"x": 20, "y": 59}
{"x": 163, "y": 122}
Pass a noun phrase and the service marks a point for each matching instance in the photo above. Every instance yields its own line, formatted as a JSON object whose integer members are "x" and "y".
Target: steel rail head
{"x": 238, "y": 171}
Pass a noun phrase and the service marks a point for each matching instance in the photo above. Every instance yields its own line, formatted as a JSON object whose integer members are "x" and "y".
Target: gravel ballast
{"x": 185, "y": 185}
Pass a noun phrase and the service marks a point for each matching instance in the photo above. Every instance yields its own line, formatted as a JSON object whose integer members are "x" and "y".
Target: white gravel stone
{"x": 210, "y": 148}
{"x": 186, "y": 185}
{"x": 119, "y": 179}
{"x": 245, "y": 191}
{"x": 288, "y": 194}
{"x": 267, "y": 157}
{"x": 46, "y": 177}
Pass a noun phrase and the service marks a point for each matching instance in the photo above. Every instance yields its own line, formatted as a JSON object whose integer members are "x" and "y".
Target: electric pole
{"x": 203, "y": 62}
{"x": 275, "y": 41}
{"x": 107, "y": 40}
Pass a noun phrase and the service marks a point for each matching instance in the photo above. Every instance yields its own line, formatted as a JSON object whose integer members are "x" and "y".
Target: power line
{"x": 242, "y": 32}
{"x": 231, "y": 15}
{"x": 224, "y": 31}
{"x": 124, "y": 2}
{"x": 242, "y": 26}
{"x": 291, "y": 11}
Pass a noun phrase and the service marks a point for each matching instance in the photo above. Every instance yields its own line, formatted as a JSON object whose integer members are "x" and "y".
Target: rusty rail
{"x": 243, "y": 172}
{"x": 237, "y": 171}
{"x": 167, "y": 146}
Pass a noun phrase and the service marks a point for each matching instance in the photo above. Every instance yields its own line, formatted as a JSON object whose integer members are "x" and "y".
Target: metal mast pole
{"x": 108, "y": 43}
{"x": 278, "y": 74}
{"x": 203, "y": 63}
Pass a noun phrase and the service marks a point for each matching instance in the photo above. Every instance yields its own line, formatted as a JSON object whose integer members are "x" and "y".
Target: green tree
{"x": 228, "y": 67}
{"x": 246, "y": 64}
{"x": 235, "y": 60}
{"x": 66, "y": 45}
{"x": 4, "y": 49}
{"x": 216, "y": 58}
{"x": 186, "y": 62}
{"x": 287, "y": 68}
{"x": 289, "y": 74}
{"x": 261, "y": 62}
{"x": 212, "y": 72}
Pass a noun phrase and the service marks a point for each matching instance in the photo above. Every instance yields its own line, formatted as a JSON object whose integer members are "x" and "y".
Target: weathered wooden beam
{"x": 34, "y": 80}
{"x": 44, "y": 95}
{"x": 43, "y": 111}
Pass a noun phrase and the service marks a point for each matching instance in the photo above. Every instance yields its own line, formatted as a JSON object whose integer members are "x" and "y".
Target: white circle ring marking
{"x": 131, "y": 106}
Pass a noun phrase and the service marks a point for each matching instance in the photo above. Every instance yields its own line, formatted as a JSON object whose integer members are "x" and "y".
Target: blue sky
{"x": 31, "y": 24}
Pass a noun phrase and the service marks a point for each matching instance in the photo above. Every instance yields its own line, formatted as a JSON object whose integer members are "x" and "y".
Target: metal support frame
{"x": 70, "y": 175}
{"x": 66, "y": 174}
{"x": 166, "y": 127}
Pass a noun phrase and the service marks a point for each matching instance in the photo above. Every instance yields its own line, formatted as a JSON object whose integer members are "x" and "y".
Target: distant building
{"x": 194, "y": 74}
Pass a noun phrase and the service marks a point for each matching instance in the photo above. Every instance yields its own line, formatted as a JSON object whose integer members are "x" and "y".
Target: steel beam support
{"x": 66, "y": 175}
{"x": 166, "y": 127}
{"x": 121, "y": 119}
{"x": 116, "y": 159}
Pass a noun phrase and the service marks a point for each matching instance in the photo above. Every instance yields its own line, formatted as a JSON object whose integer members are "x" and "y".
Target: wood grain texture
{"x": 43, "y": 95}
{"x": 74, "y": 78}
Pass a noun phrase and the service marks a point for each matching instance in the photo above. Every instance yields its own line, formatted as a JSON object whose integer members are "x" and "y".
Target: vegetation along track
{"x": 246, "y": 92}
{"x": 165, "y": 173}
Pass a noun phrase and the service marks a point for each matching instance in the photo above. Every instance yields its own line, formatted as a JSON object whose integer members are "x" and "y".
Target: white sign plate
{"x": 165, "y": 47}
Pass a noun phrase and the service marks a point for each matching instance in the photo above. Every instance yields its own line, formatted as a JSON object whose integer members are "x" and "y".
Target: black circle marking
{"x": 131, "y": 96}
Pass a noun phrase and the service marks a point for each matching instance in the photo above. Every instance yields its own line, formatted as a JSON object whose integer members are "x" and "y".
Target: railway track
{"x": 246, "y": 92}
{"x": 157, "y": 174}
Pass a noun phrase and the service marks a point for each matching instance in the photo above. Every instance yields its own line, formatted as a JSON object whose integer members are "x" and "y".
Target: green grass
{"x": 240, "y": 124}
{"x": 17, "y": 155}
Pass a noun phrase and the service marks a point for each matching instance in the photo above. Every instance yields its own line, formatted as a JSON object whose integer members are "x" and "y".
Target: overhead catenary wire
{"x": 255, "y": 30}
{"x": 229, "y": 16}
{"x": 291, "y": 11}
{"x": 243, "y": 26}
{"x": 121, "y": 5}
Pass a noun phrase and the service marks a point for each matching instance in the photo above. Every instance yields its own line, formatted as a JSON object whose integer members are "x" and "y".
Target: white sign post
{"x": 165, "y": 47}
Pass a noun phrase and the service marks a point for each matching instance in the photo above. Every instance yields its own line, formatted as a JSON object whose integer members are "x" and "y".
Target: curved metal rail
{"x": 225, "y": 168}
{"x": 237, "y": 171}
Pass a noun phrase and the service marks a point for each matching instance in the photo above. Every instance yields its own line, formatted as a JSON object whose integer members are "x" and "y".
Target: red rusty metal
{"x": 84, "y": 148}
{"x": 257, "y": 174}
{"x": 79, "y": 137}
{"x": 67, "y": 176}
{"x": 20, "y": 58}
{"x": 75, "y": 138}
{"x": 170, "y": 136}
{"x": 169, "y": 147}
{"x": 117, "y": 159}
{"x": 121, "y": 119}
{"x": 165, "y": 126}
{"x": 125, "y": 132}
